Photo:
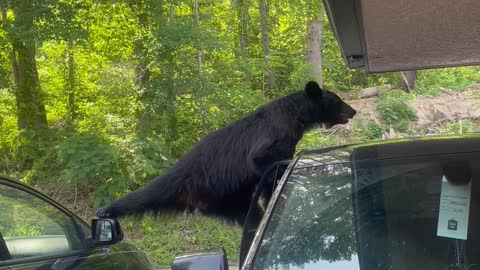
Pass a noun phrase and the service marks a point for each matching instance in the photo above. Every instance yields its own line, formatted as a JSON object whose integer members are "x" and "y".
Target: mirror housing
{"x": 202, "y": 260}
{"x": 106, "y": 231}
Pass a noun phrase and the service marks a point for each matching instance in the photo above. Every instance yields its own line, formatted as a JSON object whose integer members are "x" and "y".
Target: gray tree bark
{"x": 407, "y": 80}
{"x": 142, "y": 72}
{"x": 70, "y": 85}
{"x": 199, "y": 56}
{"x": 172, "y": 133}
{"x": 264, "y": 27}
{"x": 314, "y": 47}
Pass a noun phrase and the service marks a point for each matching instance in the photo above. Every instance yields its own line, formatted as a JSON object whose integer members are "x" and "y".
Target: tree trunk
{"x": 263, "y": 9}
{"x": 31, "y": 112}
{"x": 314, "y": 46}
{"x": 142, "y": 72}
{"x": 196, "y": 21}
{"x": 407, "y": 80}
{"x": 244, "y": 19}
{"x": 70, "y": 85}
{"x": 171, "y": 95}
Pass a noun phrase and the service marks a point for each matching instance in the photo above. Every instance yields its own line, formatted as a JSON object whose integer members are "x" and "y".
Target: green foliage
{"x": 64, "y": 20}
{"x": 372, "y": 131}
{"x": 429, "y": 82}
{"x": 25, "y": 230}
{"x": 298, "y": 77}
{"x": 144, "y": 158}
{"x": 86, "y": 157}
{"x": 5, "y": 76}
{"x": 8, "y": 132}
{"x": 395, "y": 109}
{"x": 460, "y": 127}
{"x": 317, "y": 139}
{"x": 114, "y": 167}
{"x": 26, "y": 149}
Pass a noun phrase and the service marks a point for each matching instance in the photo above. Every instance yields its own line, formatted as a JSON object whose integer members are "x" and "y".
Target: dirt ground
{"x": 432, "y": 112}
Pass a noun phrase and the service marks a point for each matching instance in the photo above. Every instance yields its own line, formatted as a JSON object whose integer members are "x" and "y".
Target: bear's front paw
{"x": 105, "y": 212}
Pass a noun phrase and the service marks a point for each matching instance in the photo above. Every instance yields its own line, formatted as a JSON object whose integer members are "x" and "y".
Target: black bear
{"x": 219, "y": 174}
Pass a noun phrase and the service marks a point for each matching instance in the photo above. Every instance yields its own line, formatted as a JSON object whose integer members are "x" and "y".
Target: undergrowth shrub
{"x": 460, "y": 127}
{"x": 371, "y": 131}
{"x": 395, "y": 110}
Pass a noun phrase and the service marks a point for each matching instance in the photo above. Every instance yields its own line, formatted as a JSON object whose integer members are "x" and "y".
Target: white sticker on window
{"x": 454, "y": 210}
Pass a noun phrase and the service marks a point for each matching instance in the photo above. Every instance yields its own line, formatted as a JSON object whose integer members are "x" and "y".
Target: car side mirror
{"x": 106, "y": 231}
{"x": 200, "y": 261}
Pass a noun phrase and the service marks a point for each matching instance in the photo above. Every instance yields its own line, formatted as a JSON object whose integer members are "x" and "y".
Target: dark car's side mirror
{"x": 201, "y": 261}
{"x": 106, "y": 231}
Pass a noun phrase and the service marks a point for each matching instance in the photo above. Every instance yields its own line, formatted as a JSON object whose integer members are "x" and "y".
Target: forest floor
{"x": 432, "y": 112}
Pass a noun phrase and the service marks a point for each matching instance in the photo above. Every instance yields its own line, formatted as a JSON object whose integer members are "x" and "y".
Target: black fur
{"x": 219, "y": 174}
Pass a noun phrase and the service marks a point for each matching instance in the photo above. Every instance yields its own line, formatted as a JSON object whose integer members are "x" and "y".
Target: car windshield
{"x": 396, "y": 213}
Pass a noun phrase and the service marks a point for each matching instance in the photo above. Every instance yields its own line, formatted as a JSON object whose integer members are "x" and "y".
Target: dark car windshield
{"x": 402, "y": 213}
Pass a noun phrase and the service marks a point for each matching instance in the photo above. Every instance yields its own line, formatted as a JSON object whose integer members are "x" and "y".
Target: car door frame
{"x": 66, "y": 260}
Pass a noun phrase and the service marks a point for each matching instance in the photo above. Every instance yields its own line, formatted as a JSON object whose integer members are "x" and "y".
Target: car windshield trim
{"x": 398, "y": 148}
{"x": 381, "y": 159}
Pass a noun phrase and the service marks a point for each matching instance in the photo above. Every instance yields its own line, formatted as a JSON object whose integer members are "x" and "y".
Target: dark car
{"x": 402, "y": 204}
{"x": 38, "y": 233}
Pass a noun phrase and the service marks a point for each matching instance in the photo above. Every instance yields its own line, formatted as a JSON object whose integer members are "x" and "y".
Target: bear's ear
{"x": 313, "y": 90}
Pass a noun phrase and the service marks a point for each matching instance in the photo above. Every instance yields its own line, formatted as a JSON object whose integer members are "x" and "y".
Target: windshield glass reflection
{"x": 376, "y": 214}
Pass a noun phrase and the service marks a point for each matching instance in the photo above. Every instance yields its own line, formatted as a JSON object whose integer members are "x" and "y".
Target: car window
{"x": 29, "y": 227}
{"x": 379, "y": 214}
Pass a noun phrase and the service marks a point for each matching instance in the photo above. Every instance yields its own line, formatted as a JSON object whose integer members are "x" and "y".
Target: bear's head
{"x": 326, "y": 107}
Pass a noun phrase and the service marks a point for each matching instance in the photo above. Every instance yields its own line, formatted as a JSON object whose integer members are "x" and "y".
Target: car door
{"x": 37, "y": 234}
